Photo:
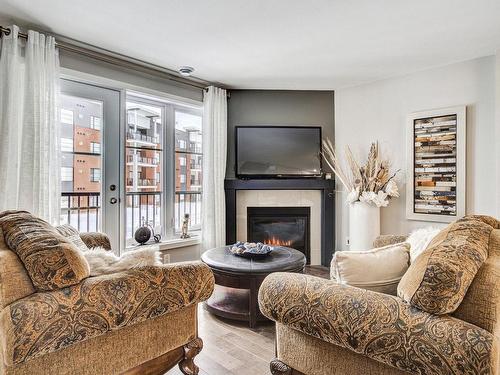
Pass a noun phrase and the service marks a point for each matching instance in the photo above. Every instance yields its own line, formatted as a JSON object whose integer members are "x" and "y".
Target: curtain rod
{"x": 117, "y": 59}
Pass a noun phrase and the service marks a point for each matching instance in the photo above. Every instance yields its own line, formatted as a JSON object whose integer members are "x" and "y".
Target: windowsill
{"x": 173, "y": 243}
{"x": 180, "y": 242}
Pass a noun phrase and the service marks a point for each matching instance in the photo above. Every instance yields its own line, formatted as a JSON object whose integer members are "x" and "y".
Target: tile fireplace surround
{"x": 317, "y": 194}
{"x": 282, "y": 198}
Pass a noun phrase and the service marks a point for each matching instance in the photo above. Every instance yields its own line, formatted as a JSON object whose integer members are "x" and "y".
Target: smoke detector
{"x": 186, "y": 71}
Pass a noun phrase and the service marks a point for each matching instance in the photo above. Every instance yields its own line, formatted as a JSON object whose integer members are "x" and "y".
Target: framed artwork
{"x": 436, "y": 152}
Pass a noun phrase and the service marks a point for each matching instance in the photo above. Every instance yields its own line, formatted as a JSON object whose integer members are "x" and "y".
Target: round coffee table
{"x": 238, "y": 280}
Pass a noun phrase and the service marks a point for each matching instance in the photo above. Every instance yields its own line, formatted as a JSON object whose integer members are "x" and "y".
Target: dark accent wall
{"x": 278, "y": 107}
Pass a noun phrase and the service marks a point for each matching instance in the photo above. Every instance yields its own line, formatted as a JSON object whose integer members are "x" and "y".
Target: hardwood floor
{"x": 231, "y": 348}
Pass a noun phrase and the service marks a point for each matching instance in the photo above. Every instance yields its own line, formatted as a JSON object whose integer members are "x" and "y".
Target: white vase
{"x": 364, "y": 225}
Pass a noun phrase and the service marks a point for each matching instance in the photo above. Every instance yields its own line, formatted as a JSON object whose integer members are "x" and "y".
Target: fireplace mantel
{"x": 326, "y": 187}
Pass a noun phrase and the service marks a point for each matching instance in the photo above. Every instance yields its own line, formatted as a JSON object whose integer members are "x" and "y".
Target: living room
{"x": 249, "y": 188}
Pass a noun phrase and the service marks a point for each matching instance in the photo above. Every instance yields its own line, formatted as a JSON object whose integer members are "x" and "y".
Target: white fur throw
{"x": 419, "y": 239}
{"x": 103, "y": 262}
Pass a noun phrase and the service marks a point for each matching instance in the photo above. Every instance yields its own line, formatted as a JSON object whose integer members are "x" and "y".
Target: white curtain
{"x": 214, "y": 167}
{"x": 29, "y": 126}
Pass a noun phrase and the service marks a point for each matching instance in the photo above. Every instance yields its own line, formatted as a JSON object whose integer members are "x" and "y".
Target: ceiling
{"x": 277, "y": 44}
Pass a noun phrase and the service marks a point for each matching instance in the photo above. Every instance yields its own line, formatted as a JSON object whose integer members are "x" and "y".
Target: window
{"x": 95, "y": 148}
{"x": 66, "y": 174}
{"x": 80, "y": 163}
{"x": 157, "y": 179}
{"x": 95, "y": 122}
{"x": 188, "y": 191}
{"x": 66, "y": 144}
{"x": 144, "y": 153}
{"x": 95, "y": 175}
{"x": 66, "y": 116}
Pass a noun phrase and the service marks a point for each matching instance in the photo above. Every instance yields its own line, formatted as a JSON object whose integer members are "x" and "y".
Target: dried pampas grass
{"x": 370, "y": 182}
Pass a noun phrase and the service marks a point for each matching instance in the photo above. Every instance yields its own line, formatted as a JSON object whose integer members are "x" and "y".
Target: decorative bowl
{"x": 250, "y": 249}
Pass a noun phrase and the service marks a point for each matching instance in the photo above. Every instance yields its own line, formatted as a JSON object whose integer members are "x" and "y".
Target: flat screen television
{"x": 278, "y": 151}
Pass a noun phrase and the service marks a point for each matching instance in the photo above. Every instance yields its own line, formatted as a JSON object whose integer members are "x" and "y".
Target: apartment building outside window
{"x": 95, "y": 148}
{"x": 80, "y": 162}
{"x": 161, "y": 167}
{"x": 66, "y": 174}
{"x": 95, "y": 122}
{"x": 157, "y": 194}
{"x": 95, "y": 175}
{"x": 188, "y": 155}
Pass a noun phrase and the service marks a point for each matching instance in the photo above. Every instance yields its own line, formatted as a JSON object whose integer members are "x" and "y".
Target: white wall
{"x": 378, "y": 111}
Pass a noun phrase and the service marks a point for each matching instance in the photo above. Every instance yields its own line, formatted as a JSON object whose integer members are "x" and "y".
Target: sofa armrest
{"x": 94, "y": 239}
{"x": 388, "y": 239}
{"x": 379, "y": 326}
{"x": 46, "y": 322}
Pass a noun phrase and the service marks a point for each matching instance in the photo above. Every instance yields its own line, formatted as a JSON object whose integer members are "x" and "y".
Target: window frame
{"x": 167, "y": 159}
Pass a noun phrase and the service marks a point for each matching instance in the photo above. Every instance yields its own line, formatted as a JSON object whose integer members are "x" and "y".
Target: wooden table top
{"x": 280, "y": 259}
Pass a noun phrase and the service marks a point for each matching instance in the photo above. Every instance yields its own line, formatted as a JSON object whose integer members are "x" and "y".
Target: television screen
{"x": 278, "y": 151}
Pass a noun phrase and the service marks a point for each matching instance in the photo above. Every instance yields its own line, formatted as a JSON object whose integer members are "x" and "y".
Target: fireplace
{"x": 281, "y": 226}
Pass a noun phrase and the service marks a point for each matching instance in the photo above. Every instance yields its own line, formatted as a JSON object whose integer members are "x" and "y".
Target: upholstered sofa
{"x": 324, "y": 328}
{"x": 141, "y": 321}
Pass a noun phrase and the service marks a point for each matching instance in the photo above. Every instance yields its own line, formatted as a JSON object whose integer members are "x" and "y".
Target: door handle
{"x": 113, "y": 200}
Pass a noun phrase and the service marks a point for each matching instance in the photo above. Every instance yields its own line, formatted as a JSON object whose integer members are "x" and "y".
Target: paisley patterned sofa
{"x": 142, "y": 321}
{"x": 324, "y": 328}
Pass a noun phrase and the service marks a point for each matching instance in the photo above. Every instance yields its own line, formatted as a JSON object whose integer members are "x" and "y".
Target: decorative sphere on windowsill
{"x": 142, "y": 235}
{"x": 250, "y": 249}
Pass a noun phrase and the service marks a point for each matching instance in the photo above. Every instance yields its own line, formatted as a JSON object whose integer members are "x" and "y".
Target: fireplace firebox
{"x": 280, "y": 226}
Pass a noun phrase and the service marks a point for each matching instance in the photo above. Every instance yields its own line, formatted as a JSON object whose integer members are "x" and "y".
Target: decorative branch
{"x": 368, "y": 183}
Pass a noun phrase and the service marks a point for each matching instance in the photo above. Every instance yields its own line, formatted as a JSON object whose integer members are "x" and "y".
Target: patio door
{"x": 90, "y": 170}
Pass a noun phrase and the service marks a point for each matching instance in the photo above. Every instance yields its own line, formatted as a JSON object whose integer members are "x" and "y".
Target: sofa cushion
{"x": 72, "y": 235}
{"x": 378, "y": 269}
{"x": 439, "y": 278}
{"x": 52, "y": 262}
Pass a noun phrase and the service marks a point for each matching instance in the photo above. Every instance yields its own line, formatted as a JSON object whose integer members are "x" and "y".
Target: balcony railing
{"x": 142, "y": 137}
{"x": 188, "y": 202}
{"x": 142, "y": 208}
{"x": 143, "y": 160}
{"x": 81, "y": 210}
{"x": 142, "y": 182}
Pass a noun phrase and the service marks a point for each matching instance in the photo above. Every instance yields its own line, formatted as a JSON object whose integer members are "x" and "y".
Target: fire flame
{"x": 276, "y": 241}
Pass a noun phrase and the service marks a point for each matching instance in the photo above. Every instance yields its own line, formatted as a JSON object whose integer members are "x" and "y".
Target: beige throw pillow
{"x": 439, "y": 278}
{"x": 378, "y": 269}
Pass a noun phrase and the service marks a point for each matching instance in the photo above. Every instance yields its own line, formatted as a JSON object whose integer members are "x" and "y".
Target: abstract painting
{"x": 436, "y": 165}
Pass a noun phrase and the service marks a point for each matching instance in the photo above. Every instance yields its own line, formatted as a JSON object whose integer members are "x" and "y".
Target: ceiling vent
{"x": 186, "y": 71}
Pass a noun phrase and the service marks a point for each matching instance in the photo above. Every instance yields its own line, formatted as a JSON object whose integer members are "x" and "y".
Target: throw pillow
{"x": 438, "y": 279}
{"x": 103, "y": 262}
{"x": 378, "y": 269}
{"x": 73, "y": 236}
{"x": 419, "y": 239}
{"x": 52, "y": 262}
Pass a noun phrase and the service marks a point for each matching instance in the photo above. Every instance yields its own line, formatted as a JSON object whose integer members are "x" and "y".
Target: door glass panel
{"x": 143, "y": 174}
{"x": 81, "y": 163}
{"x": 188, "y": 168}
